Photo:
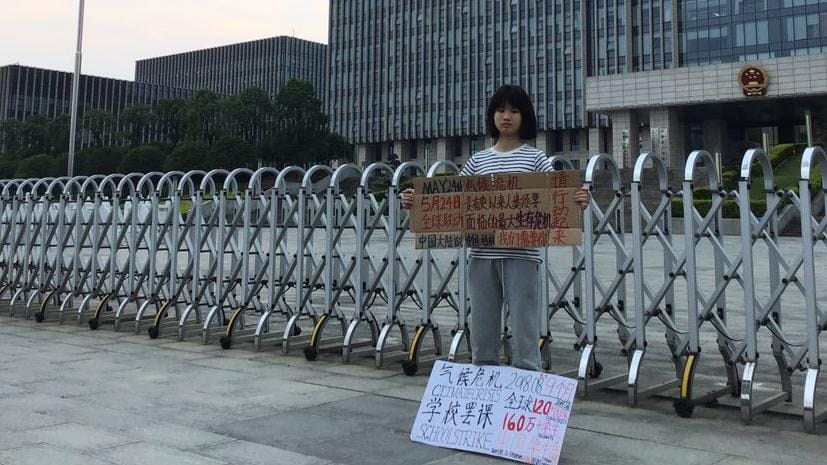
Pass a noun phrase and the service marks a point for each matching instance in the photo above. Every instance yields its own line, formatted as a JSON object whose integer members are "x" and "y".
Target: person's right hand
{"x": 407, "y": 198}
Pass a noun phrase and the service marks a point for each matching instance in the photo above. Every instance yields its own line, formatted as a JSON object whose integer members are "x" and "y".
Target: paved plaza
{"x": 71, "y": 396}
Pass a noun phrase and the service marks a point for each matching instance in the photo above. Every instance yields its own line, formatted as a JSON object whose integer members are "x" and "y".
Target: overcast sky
{"x": 42, "y": 33}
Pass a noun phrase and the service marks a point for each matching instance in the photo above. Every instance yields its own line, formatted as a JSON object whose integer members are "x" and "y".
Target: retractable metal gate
{"x": 258, "y": 256}
{"x": 431, "y": 281}
{"x": 279, "y": 322}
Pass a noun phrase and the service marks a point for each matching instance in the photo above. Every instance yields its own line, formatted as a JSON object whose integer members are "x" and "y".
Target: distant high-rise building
{"x": 413, "y": 78}
{"x": 27, "y": 91}
{"x": 229, "y": 69}
{"x": 618, "y": 76}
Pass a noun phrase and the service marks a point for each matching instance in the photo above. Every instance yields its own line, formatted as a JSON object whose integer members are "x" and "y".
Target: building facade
{"x": 706, "y": 74}
{"x": 229, "y": 69}
{"x": 27, "y": 91}
{"x": 412, "y": 78}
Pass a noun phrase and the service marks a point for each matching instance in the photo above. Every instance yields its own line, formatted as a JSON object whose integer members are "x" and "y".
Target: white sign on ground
{"x": 502, "y": 411}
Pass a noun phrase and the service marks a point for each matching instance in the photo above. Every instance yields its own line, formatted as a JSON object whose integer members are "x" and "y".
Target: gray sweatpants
{"x": 514, "y": 282}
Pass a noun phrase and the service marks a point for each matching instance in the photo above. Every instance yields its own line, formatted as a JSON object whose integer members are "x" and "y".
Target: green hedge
{"x": 729, "y": 180}
{"x": 779, "y": 155}
{"x": 729, "y": 208}
{"x": 380, "y": 194}
{"x": 783, "y": 152}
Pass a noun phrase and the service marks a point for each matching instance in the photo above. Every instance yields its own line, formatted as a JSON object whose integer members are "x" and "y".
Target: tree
{"x": 142, "y": 159}
{"x": 189, "y": 155}
{"x": 36, "y": 137}
{"x": 58, "y": 134}
{"x": 36, "y": 166}
{"x": 269, "y": 151}
{"x": 337, "y": 148}
{"x": 99, "y": 160}
{"x": 301, "y": 136}
{"x": 60, "y": 165}
{"x": 255, "y": 110}
{"x": 202, "y": 117}
{"x": 171, "y": 117}
{"x": 136, "y": 122}
{"x": 11, "y": 137}
{"x": 8, "y": 168}
{"x": 229, "y": 152}
{"x": 97, "y": 122}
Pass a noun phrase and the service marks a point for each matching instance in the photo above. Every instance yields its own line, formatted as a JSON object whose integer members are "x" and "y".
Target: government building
{"x": 229, "y": 69}
{"x": 268, "y": 64}
{"x": 411, "y": 79}
{"x": 26, "y": 91}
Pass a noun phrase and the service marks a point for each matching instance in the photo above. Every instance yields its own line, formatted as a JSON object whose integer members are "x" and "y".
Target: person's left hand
{"x": 583, "y": 197}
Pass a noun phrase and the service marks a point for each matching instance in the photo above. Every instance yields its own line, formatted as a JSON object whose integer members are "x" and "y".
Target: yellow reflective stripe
{"x": 46, "y": 300}
{"x": 419, "y": 332}
{"x": 317, "y": 328}
{"x": 687, "y": 372}
{"x": 161, "y": 312}
{"x": 101, "y": 305}
{"x": 229, "y": 329}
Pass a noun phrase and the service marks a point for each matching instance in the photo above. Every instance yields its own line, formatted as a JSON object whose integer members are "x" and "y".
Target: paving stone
{"x": 23, "y": 418}
{"x": 342, "y": 431}
{"x": 75, "y": 436}
{"x": 468, "y": 459}
{"x": 175, "y": 436}
{"x": 250, "y": 453}
{"x": 41, "y": 454}
{"x": 11, "y": 439}
{"x": 143, "y": 453}
{"x": 99, "y": 415}
{"x": 7, "y": 390}
{"x": 732, "y": 460}
{"x": 188, "y": 403}
{"x": 588, "y": 447}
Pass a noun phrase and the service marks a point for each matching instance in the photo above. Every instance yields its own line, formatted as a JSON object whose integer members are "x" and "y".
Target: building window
{"x": 558, "y": 141}
{"x": 574, "y": 142}
{"x": 427, "y": 149}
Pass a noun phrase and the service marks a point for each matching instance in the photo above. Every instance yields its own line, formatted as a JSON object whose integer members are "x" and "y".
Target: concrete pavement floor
{"x": 71, "y": 396}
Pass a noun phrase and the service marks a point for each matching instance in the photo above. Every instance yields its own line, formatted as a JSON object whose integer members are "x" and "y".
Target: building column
{"x": 625, "y": 137}
{"x": 466, "y": 151}
{"x": 444, "y": 149}
{"x": 667, "y": 136}
{"x": 566, "y": 143}
{"x": 385, "y": 151}
{"x": 646, "y": 138}
{"x": 542, "y": 142}
{"x": 597, "y": 140}
{"x": 362, "y": 151}
{"x": 715, "y": 135}
{"x": 405, "y": 150}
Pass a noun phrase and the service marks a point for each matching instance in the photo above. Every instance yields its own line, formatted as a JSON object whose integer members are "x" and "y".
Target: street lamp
{"x": 75, "y": 86}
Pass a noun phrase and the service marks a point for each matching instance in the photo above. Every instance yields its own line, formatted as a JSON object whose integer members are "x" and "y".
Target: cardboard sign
{"x": 501, "y": 411}
{"x": 496, "y": 211}
{"x": 438, "y": 212}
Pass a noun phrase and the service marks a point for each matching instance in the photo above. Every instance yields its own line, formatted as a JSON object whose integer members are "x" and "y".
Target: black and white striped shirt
{"x": 524, "y": 158}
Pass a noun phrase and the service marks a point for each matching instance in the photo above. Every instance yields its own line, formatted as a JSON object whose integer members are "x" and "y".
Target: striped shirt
{"x": 523, "y": 159}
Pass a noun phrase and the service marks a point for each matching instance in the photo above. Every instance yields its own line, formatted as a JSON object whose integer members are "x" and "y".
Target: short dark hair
{"x": 518, "y": 98}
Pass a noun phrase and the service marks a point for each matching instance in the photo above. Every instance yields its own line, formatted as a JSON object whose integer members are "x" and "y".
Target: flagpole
{"x": 75, "y": 86}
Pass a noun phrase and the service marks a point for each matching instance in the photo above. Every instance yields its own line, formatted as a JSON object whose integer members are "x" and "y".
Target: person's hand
{"x": 407, "y": 198}
{"x": 583, "y": 197}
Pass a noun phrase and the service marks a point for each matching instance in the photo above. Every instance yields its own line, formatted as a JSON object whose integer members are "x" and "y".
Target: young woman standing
{"x": 510, "y": 276}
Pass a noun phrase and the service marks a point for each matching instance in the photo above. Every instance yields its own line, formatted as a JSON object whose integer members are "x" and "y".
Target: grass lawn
{"x": 786, "y": 176}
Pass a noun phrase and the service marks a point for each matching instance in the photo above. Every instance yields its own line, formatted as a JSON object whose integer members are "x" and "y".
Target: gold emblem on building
{"x": 753, "y": 80}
